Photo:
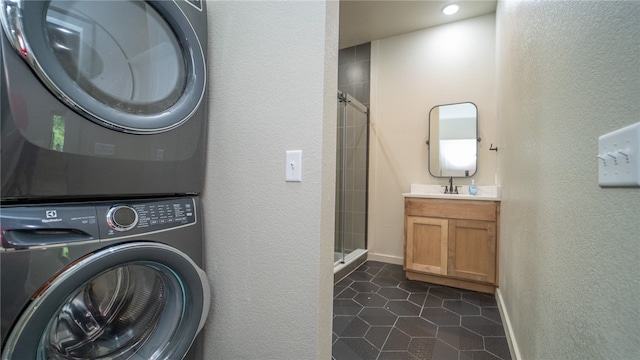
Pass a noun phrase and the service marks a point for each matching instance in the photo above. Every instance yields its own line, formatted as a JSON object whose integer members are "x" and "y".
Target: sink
{"x": 485, "y": 192}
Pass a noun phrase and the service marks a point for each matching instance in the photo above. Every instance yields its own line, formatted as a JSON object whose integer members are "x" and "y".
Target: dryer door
{"x": 131, "y": 301}
{"x": 133, "y": 66}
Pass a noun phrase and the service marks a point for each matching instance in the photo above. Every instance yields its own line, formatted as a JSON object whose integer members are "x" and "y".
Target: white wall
{"x": 269, "y": 244}
{"x": 410, "y": 74}
{"x": 569, "y": 71}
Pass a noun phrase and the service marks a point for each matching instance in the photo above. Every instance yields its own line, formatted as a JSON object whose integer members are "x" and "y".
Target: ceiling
{"x": 365, "y": 21}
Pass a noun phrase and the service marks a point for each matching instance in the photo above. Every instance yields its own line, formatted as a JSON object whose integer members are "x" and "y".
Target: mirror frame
{"x": 429, "y": 139}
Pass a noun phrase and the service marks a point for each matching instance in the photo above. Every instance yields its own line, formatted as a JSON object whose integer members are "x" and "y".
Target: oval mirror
{"x": 453, "y": 140}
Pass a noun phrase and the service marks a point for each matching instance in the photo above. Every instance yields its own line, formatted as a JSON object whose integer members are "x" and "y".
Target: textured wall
{"x": 410, "y": 74}
{"x": 568, "y": 72}
{"x": 269, "y": 244}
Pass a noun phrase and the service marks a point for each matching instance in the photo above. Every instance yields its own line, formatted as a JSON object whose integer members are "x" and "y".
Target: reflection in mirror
{"x": 453, "y": 140}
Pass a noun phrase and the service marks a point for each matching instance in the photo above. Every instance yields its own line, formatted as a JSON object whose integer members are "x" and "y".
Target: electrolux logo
{"x": 51, "y": 216}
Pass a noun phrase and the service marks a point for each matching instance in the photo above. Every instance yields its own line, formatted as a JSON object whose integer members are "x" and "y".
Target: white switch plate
{"x": 293, "y": 166}
{"x": 619, "y": 158}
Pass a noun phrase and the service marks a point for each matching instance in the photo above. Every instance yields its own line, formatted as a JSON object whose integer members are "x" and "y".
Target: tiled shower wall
{"x": 351, "y": 172}
{"x": 354, "y": 72}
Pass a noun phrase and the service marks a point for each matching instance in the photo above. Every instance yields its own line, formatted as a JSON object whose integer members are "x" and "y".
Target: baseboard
{"x": 386, "y": 258}
{"x": 508, "y": 329}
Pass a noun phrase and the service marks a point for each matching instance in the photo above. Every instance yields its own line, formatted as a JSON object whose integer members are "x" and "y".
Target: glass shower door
{"x": 351, "y": 178}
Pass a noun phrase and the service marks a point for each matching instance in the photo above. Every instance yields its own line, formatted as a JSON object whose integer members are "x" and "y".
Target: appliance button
{"x": 122, "y": 218}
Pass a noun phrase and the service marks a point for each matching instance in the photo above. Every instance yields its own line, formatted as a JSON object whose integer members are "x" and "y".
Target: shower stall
{"x": 351, "y": 183}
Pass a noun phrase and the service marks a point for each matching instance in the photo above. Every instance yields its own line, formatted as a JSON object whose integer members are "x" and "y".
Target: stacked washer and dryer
{"x": 103, "y": 132}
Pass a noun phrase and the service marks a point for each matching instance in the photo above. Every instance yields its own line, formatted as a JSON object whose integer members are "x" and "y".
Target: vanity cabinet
{"x": 452, "y": 242}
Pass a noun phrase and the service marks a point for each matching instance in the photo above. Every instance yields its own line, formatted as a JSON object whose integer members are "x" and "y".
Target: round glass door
{"x": 134, "y": 66}
{"x": 130, "y": 301}
{"x": 115, "y": 314}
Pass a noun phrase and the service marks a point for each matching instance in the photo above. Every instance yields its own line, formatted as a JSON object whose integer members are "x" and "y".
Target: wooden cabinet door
{"x": 426, "y": 245}
{"x": 472, "y": 250}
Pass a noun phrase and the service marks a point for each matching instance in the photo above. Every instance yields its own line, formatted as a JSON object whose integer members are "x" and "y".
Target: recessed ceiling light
{"x": 450, "y": 9}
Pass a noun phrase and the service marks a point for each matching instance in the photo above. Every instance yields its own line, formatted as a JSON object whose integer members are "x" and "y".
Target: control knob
{"x": 122, "y": 218}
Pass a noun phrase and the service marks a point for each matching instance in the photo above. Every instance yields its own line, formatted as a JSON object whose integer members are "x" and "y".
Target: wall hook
{"x": 493, "y": 148}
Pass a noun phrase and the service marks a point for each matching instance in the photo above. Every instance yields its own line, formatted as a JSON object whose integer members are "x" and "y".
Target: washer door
{"x": 130, "y": 301}
{"x": 133, "y": 66}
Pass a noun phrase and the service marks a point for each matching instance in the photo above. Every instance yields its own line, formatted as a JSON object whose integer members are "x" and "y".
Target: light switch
{"x": 619, "y": 158}
{"x": 293, "y": 166}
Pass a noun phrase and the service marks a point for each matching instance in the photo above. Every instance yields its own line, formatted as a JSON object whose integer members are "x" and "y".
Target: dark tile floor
{"x": 380, "y": 315}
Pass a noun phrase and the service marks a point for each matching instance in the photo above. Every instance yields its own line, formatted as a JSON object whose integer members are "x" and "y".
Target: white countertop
{"x": 485, "y": 192}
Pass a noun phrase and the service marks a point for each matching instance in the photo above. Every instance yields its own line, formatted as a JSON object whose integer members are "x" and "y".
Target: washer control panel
{"x": 146, "y": 216}
{"x": 60, "y": 224}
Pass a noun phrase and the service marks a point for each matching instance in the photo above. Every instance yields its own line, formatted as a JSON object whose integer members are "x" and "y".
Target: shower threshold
{"x": 351, "y": 262}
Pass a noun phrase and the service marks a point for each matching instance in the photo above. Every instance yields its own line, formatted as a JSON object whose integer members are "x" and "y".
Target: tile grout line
{"x": 458, "y": 303}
